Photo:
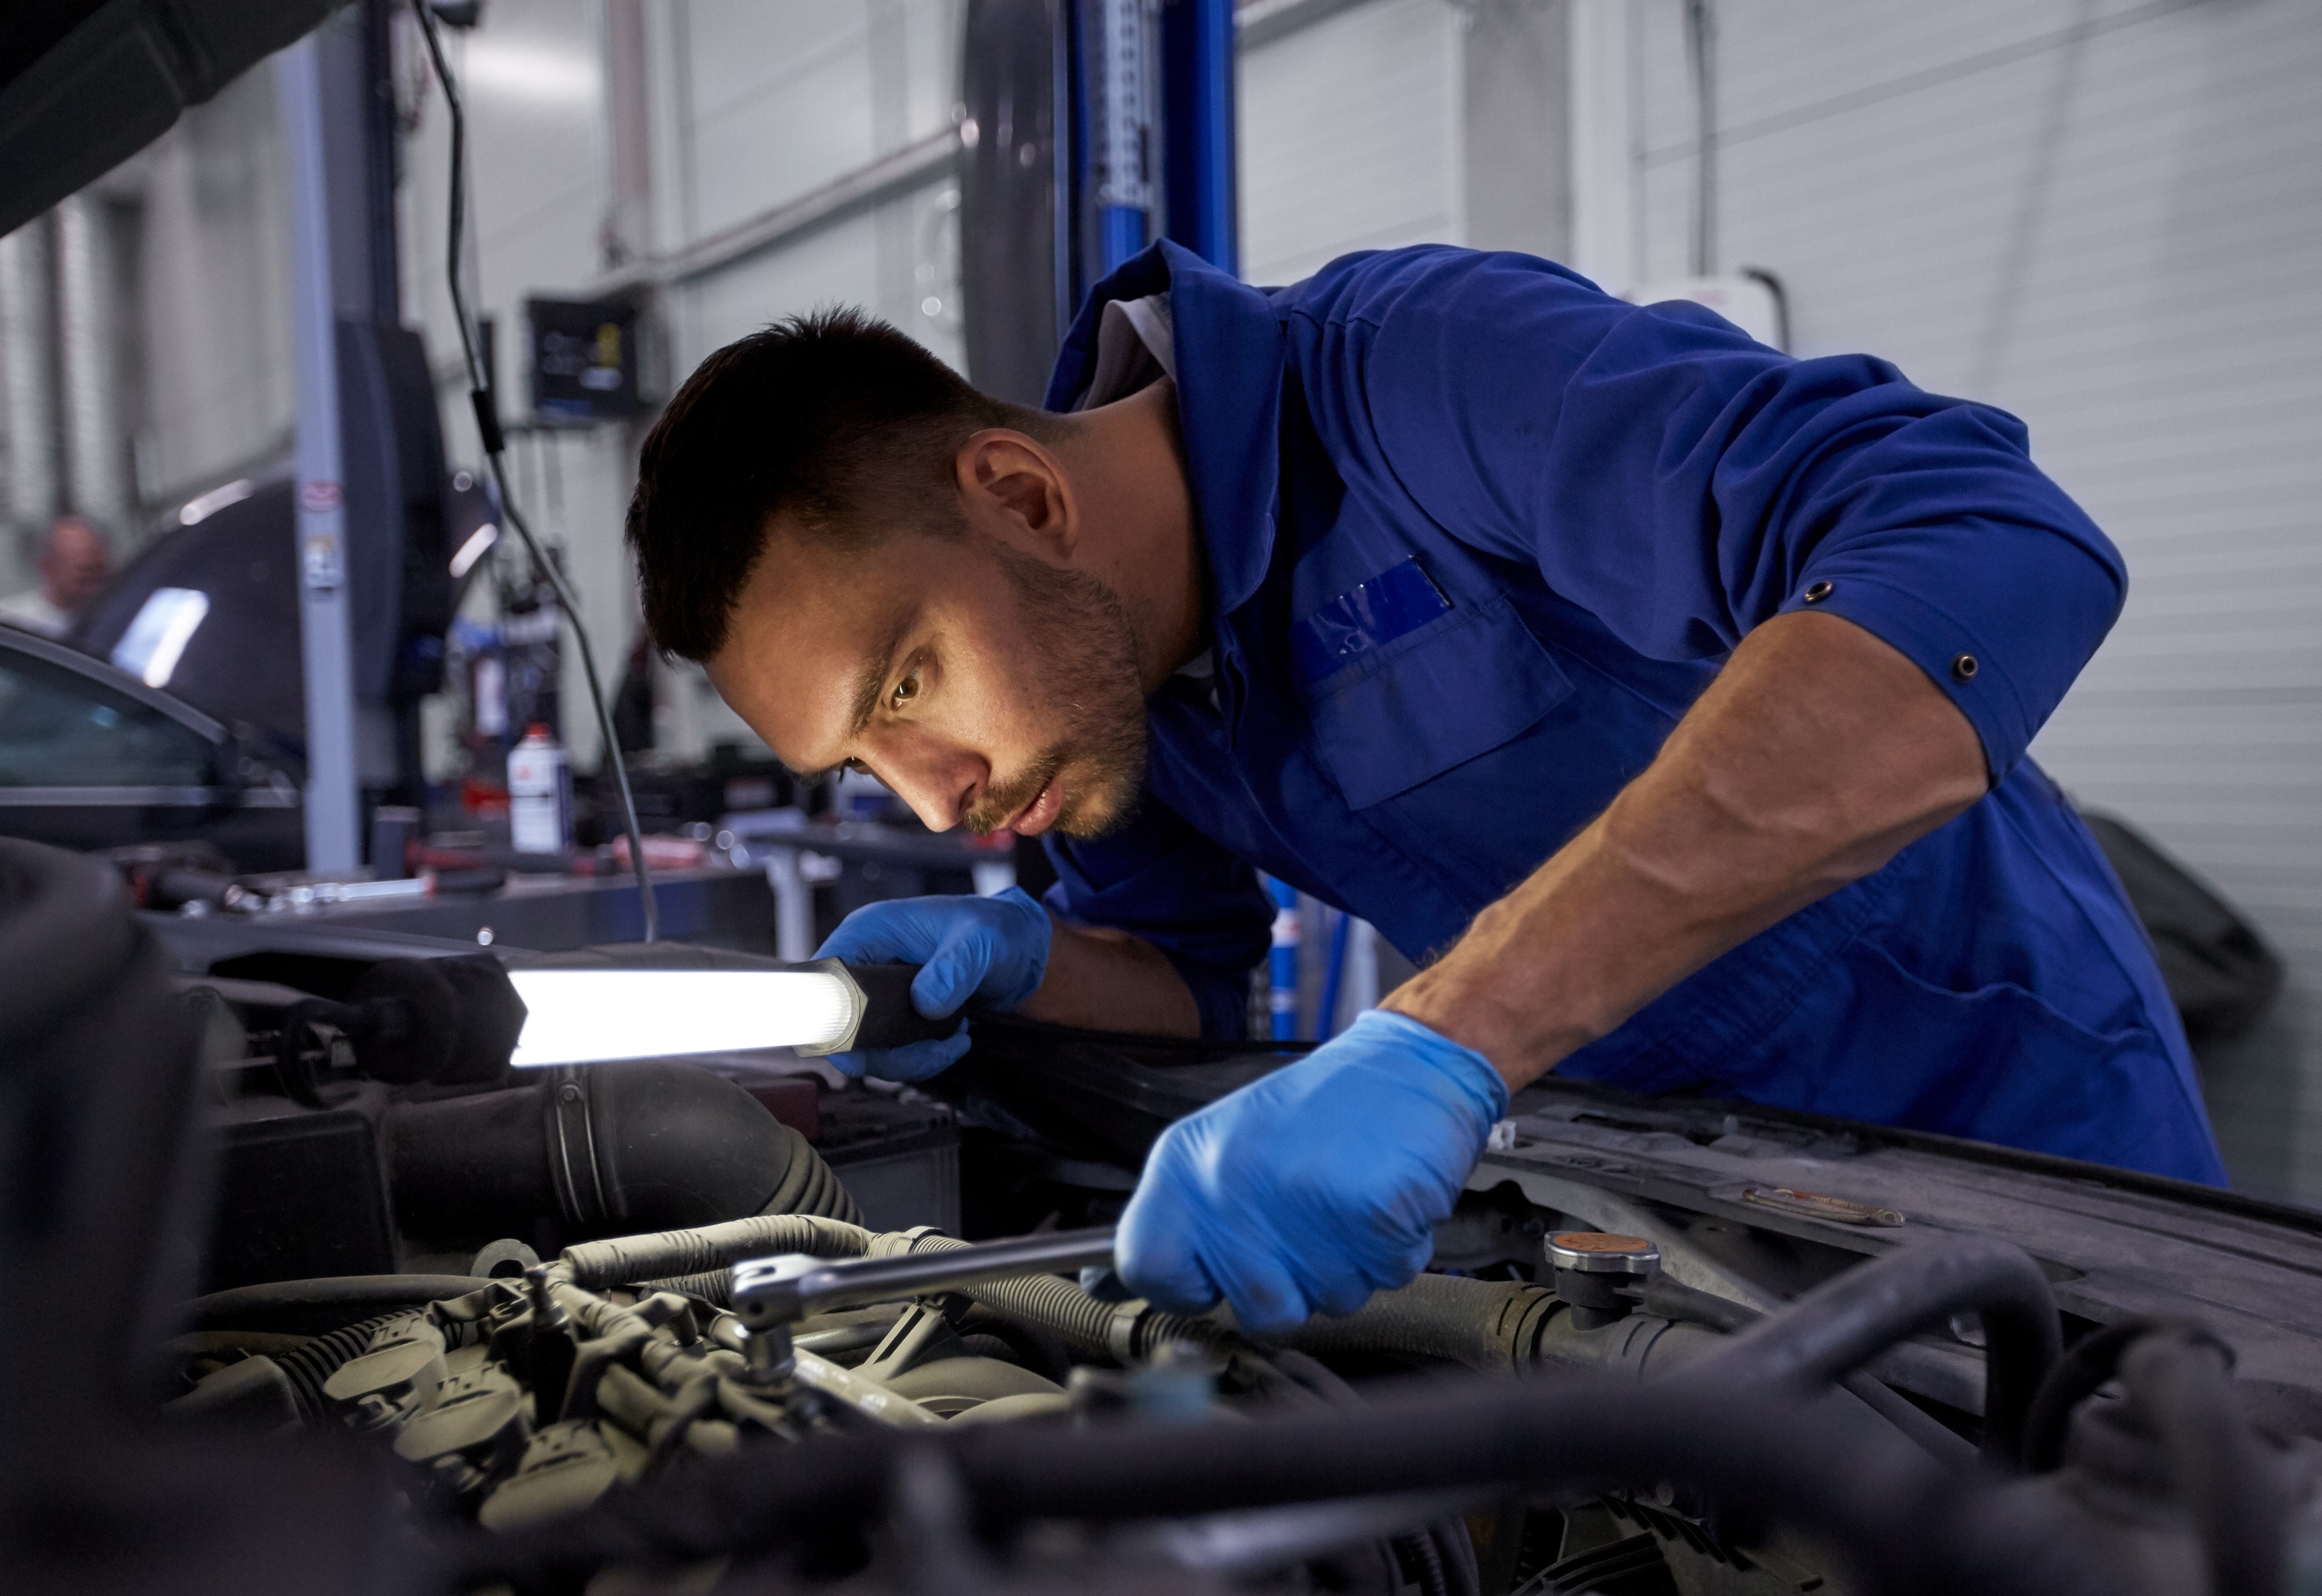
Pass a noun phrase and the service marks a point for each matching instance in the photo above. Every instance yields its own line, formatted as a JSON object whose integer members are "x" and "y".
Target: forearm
{"x": 1817, "y": 753}
{"x": 1106, "y": 979}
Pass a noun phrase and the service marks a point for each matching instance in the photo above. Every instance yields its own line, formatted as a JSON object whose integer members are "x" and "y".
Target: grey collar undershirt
{"x": 1136, "y": 347}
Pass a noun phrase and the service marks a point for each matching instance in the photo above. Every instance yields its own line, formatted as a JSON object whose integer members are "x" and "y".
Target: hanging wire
{"x": 1701, "y": 45}
{"x": 495, "y": 441}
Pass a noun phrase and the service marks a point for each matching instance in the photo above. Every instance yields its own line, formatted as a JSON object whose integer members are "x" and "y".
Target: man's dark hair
{"x": 835, "y": 419}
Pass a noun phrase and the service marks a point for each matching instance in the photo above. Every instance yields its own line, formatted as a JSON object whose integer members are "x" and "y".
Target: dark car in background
{"x": 92, "y": 757}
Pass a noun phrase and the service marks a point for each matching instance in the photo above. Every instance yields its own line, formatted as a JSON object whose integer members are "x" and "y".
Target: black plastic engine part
{"x": 99, "y": 1086}
{"x": 98, "y": 1072}
{"x": 301, "y": 1194}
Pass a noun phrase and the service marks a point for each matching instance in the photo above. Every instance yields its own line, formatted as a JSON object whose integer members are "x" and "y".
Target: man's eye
{"x": 905, "y": 691}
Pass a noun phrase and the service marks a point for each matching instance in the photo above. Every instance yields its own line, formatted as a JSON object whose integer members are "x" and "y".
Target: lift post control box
{"x": 584, "y": 360}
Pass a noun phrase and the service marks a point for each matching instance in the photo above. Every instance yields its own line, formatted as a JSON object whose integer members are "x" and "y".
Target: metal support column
{"x": 1124, "y": 81}
{"x": 333, "y": 793}
{"x": 1197, "y": 98}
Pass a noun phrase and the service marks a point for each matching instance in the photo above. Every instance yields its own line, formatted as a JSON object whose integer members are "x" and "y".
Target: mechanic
{"x": 1665, "y": 697}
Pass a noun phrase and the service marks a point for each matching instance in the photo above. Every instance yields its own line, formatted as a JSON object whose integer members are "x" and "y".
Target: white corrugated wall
{"x": 1350, "y": 134}
{"x": 2106, "y": 217}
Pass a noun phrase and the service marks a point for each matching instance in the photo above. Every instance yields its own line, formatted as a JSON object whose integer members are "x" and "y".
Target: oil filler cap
{"x": 1595, "y": 1252}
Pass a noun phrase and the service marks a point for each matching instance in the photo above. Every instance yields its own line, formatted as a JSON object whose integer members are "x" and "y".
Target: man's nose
{"x": 938, "y": 781}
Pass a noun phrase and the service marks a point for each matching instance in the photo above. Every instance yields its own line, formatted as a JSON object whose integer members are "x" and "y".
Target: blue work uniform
{"x": 1476, "y": 534}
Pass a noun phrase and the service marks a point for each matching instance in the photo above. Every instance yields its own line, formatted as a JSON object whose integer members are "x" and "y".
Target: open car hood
{"x": 87, "y": 84}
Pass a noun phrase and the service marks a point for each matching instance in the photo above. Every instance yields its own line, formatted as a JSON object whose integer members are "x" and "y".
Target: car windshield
{"x": 60, "y": 729}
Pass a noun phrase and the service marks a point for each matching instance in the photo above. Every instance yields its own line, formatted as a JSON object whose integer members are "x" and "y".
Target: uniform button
{"x": 1817, "y": 591}
{"x": 1963, "y": 667}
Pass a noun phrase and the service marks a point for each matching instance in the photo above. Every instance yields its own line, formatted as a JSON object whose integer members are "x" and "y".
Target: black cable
{"x": 495, "y": 441}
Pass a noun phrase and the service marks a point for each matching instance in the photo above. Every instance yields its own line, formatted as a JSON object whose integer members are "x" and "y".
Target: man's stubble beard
{"x": 1090, "y": 689}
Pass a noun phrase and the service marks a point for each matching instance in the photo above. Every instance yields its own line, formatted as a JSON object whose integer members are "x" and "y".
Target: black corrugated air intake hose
{"x": 606, "y": 1149}
{"x": 309, "y": 1367}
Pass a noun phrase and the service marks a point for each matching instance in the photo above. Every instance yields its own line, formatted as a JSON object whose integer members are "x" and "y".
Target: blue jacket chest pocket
{"x": 1438, "y": 695}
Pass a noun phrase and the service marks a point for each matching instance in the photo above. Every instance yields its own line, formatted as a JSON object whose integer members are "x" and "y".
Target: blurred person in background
{"x": 76, "y": 559}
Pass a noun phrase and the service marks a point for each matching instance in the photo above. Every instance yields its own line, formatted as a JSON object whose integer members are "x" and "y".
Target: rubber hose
{"x": 1846, "y": 1321}
{"x": 2086, "y": 1364}
{"x": 1672, "y": 1299}
{"x": 2181, "y": 1385}
{"x": 628, "y": 1259}
{"x": 309, "y": 1367}
{"x": 1489, "y": 1326}
{"x": 244, "y": 1304}
{"x": 1445, "y": 1548}
{"x": 1907, "y": 1526}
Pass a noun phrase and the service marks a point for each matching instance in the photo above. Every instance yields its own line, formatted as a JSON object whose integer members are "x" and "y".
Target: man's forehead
{"x": 811, "y": 626}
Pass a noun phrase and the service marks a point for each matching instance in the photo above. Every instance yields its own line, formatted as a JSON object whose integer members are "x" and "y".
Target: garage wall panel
{"x": 1350, "y": 133}
{"x": 784, "y": 96}
{"x": 215, "y": 352}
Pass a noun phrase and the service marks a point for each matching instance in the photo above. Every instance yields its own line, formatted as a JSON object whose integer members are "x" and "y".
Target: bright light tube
{"x": 582, "y": 1017}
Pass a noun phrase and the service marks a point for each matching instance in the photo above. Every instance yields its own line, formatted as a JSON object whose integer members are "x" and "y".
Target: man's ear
{"x": 1013, "y": 488}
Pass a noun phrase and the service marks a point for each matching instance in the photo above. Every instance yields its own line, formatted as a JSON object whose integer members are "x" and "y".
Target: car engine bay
{"x": 319, "y": 1298}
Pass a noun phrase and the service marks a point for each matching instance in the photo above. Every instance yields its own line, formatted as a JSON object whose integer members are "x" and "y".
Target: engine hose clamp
{"x": 573, "y": 1167}
{"x": 1121, "y": 1327}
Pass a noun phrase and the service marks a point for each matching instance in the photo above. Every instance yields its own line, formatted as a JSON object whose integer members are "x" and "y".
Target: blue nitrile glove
{"x": 994, "y": 950}
{"x": 1306, "y": 1191}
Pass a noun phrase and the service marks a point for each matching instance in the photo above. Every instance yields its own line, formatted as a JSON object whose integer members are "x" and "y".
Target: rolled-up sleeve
{"x": 1159, "y": 879}
{"x": 1685, "y": 483}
